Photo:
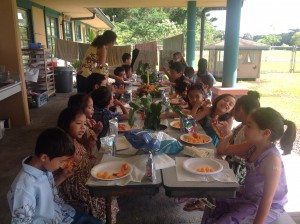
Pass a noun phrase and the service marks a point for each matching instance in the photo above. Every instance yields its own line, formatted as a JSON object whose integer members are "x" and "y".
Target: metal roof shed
{"x": 249, "y": 58}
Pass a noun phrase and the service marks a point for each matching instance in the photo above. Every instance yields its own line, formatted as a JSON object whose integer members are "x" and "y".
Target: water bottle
{"x": 150, "y": 169}
{"x": 128, "y": 94}
{"x": 113, "y": 126}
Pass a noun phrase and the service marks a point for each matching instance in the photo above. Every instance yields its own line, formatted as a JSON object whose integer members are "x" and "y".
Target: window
{"x": 51, "y": 27}
{"x": 68, "y": 31}
{"x": 248, "y": 58}
{"x": 87, "y": 34}
{"x": 78, "y": 32}
{"x": 24, "y": 27}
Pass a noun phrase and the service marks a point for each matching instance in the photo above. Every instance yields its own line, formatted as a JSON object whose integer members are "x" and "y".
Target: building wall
{"x": 246, "y": 70}
{"x": 14, "y": 107}
{"x": 249, "y": 69}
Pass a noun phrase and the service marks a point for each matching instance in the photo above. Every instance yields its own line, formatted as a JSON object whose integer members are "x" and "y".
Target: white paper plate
{"x": 110, "y": 167}
{"x": 191, "y": 165}
{"x": 182, "y": 138}
{"x": 196, "y": 152}
{"x": 165, "y": 88}
{"x": 136, "y": 83}
{"x": 172, "y": 124}
{"x": 127, "y": 127}
{"x": 122, "y": 143}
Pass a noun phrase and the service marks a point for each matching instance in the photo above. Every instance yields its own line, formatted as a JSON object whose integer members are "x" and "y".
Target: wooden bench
{"x": 284, "y": 218}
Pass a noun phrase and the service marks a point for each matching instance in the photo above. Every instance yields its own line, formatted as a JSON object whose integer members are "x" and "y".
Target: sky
{"x": 264, "y": 17}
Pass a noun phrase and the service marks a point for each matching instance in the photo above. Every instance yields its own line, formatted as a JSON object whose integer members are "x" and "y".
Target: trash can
{"x": 63, "y": 79}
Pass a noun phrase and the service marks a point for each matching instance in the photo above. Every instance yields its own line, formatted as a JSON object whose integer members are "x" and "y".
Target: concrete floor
{"x": 19, "y": 143}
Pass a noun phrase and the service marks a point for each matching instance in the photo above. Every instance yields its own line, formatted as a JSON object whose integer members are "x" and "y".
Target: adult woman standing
{"x": 95, "y": 58}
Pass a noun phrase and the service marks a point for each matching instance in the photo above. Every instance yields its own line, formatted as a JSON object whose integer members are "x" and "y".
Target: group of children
{"x": 67, "y": 151}
{"x": 37, "y": 195}
{"x": 249, "y": 148}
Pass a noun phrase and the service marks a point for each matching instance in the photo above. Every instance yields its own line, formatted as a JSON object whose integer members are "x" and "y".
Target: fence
{"x": 275, "y": 60}
{"x": 280, "y": 59}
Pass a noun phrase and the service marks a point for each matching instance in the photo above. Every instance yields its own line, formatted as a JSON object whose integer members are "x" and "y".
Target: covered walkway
{"x": 19, "y": 143}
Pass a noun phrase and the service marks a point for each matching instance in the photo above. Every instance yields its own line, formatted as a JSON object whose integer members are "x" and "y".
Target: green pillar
{"x": 191, "y": 33}
{"x": 231, "y": 48}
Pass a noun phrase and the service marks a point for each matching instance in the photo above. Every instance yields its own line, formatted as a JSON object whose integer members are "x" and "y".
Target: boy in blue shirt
{"x": 33, "y": 196}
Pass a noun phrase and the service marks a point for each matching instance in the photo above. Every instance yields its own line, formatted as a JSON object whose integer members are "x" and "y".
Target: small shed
{"x": 248, "y": 60}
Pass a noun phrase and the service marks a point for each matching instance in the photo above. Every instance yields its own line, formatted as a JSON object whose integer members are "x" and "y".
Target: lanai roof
{"x": 85, "y": 8}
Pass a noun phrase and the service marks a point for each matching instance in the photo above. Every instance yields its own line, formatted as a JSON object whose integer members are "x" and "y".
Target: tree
{"x": 137, "y": 25}
{"x": 270, "y": 39}
{"x": 296, "y": 39}
{"x": 248, "y": 36}
{"x": 120, "y": 14}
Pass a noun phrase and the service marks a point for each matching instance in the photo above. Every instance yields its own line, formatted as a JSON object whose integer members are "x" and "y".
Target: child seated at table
{"x": 195, "y": 99}
{"x": 243, "y": 107}
{"x": 126, "y": 59}
{"x": 208, "y": 83}
{"x": 120, "y": 72}
{"x": 128, "y": 72}
{"x": 176, "y": 75}
{"x": 202, "y": 69}
{"x": 220, "y": 114}
{"x": 94, "y": 81}
{"x": 33, "y": 196}
{"x": 210, "y": 118}
{"x": 181, "y": 90}
{"x": 264, "y": 195}
{"x": 85, "y": 103}
{"x": 74, "y": 190}
{"x": 189, "y": 72}
{"x": 103, "y": 99}
{"x": 177, "y": 57}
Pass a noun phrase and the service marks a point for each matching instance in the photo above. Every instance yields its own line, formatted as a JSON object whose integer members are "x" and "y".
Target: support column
{"x": 191, "y": 33}
{"x": 231, "y": 48}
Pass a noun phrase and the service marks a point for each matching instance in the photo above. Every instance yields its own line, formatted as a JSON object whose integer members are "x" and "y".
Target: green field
{"x": 280, "y": 91}
{"x": 271, "y": 61}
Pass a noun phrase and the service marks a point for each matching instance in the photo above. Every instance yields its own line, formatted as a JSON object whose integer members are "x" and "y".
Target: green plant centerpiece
{"x": 144, "y": 70}
{"x": 151, "y": 109}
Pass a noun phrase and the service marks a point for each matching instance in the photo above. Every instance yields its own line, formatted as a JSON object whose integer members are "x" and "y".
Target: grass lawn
{"x": 280, "y": 91}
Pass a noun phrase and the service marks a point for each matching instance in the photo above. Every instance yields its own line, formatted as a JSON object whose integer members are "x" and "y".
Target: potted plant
{"x": 144, "y": 70}
{"x": 151, "y": 110}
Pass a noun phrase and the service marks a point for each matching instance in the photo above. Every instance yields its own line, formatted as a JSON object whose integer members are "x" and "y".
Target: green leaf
{"x": 149, "y": 97}
{"x": 178, "y": 110}
{"x": 131, "y": 117}
{"x": 153, "y": 108}
{"x": 134, "y": 106}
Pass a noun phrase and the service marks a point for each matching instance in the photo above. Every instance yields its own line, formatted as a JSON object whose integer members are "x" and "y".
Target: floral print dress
{"x": 75, "y": 191}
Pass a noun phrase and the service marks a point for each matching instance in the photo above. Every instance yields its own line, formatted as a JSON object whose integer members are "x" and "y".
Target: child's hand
{"x": 120, "y": 79}
{"x": 223, "y": 128}
{"x": 98, "y": 127}
{"x": 198, "y": 104}
{"x": 207, "y": 110}
{"x": 117, "y": 103}
{"x": 90, "y": 123}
